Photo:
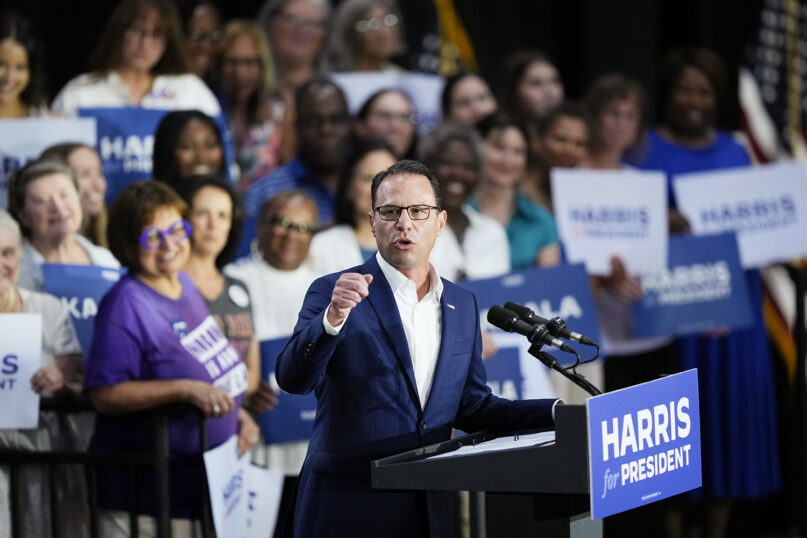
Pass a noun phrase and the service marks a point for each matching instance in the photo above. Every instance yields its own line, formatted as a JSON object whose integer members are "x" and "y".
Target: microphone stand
{"x": 574, "y": 377}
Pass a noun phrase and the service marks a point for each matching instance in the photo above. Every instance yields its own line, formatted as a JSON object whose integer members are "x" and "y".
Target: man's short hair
{"x": 407, "y": 166}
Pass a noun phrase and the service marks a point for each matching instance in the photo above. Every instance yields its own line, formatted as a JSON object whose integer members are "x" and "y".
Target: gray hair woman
{"x": 365, "y": 36}
{"x": 89, "y": 171}
{"x": 61, "y": 373}
{"x": 45, "y": 199}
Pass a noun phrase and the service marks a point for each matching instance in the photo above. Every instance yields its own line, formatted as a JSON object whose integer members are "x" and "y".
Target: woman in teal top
{"x": 530, "y": 228}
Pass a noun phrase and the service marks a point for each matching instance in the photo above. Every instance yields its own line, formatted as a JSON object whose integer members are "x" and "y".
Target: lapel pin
{"x": 451, "y": 306}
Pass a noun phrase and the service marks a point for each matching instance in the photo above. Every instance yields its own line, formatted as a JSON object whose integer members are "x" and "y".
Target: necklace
{"x": 12, "y": 298}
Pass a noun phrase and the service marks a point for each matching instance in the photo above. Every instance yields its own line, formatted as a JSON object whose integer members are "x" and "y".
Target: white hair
{"x": 7, "y": 221}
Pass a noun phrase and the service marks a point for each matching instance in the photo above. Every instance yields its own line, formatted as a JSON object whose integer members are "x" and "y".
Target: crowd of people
{"x": 218, "y": 258}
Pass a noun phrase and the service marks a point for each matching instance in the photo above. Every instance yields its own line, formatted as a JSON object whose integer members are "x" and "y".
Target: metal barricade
{"x": 157, "y": 459}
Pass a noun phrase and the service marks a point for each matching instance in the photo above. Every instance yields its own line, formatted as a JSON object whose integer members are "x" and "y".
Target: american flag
{"x": 773, "y": 83}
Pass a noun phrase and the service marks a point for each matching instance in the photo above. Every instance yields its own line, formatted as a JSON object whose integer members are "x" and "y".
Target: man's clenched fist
{"x": 349, "y": 291}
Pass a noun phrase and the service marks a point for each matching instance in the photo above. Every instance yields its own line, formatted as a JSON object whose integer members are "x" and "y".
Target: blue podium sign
{"x": 704, "y": 287}
{"x": 292, "y": 419}
{"x": 644, "y": 443}
{"x": 80, "y": 288}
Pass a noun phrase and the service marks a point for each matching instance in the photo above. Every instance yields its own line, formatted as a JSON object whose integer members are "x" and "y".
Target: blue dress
{"x": 739, "y": 435}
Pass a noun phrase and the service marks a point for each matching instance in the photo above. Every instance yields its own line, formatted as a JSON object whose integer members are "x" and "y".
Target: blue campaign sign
{"x": 80, "y": 288}
{"x": 562, "y": 291}
{"x": 704, "y": 287}
{"x": 504, "y": 374}
{"x": 126, "y": 143}
{"x": 644, "y": 443}
{"x": 292, "y": 419}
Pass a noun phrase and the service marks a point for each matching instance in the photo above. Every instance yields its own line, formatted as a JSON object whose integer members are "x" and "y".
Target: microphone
{"x": 556, "y": 326}
{"x": 507, "y": 320}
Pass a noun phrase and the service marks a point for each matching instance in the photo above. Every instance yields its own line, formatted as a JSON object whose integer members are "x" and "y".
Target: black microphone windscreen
{"x": 502, "y": 318}
{"x": 524, "y": 313}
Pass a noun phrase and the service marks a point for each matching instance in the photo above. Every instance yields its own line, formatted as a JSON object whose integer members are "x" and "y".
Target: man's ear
{"x": 441, "y": 221}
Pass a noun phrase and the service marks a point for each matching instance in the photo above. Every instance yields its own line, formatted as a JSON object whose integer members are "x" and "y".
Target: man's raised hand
{"x": 350, "y": 290}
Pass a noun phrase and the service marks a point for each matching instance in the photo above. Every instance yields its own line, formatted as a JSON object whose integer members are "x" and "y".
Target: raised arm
{"x": 325, "y": 310}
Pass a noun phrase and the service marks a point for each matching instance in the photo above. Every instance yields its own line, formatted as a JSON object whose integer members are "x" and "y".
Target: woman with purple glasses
{"x": 155, "y": 343}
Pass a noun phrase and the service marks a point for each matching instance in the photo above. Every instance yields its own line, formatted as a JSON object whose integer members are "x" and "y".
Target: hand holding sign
{"x": 48, "y": 379}
{"x": 622, "y": 284}
{"x": 350, "y": 290}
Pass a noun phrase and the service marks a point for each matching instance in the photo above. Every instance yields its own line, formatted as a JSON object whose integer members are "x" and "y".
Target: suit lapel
{"x": 448, "y": 330}
{"x": 383, "y": 303}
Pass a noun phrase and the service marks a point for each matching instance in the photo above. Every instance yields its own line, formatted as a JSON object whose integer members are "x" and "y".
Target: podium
{"x": 540, "y": 490}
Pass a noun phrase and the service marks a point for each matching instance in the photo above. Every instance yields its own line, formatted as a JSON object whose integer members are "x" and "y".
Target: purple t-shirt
{"x": 142, "y": 335}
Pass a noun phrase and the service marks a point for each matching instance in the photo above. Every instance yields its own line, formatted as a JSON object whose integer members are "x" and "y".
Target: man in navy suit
{"x": 393, "y": 354}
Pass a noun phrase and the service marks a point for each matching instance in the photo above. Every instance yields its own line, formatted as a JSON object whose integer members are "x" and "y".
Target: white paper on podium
{"x": 20, "y": 358}
{"x": 502, "y": 443}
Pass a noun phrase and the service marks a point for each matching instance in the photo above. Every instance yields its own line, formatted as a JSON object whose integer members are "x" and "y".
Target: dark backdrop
{"x": 586, "y": 38}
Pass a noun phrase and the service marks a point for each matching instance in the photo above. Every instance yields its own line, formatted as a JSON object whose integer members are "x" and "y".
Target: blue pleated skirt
{"x": 739, "y": 435}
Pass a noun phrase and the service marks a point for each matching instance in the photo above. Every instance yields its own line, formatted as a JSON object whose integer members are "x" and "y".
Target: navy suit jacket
{"x": 368, "y": 407}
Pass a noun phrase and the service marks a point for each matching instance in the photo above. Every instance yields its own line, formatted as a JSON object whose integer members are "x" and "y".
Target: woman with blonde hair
{"x": 255, "y": 111}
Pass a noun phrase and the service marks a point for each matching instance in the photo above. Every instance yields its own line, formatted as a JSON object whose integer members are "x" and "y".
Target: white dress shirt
{"x": 422, "y": 323}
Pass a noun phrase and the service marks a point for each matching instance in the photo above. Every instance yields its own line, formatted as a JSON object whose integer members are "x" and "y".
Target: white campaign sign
{"x": 226, "y": 480}
{"x": 20, "y": 358}
{"x": 22, "y": 140}
{"x": 424, "y": 90}
{"x": 766, "y": 206}
{"x": 264, "y": 488}
{"x": 244, "y": 498}
{"x": 601, "y": 214}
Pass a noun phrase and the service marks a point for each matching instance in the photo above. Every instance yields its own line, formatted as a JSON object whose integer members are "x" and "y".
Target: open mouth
{"x": 403, "y": 244}
{"x": 168, "y": 256}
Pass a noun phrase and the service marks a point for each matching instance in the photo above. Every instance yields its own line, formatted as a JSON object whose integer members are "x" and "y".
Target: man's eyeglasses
{"x": 287, "y": 224}
{"x": 393, "y": 212}
{"x": 153, "y": 238}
